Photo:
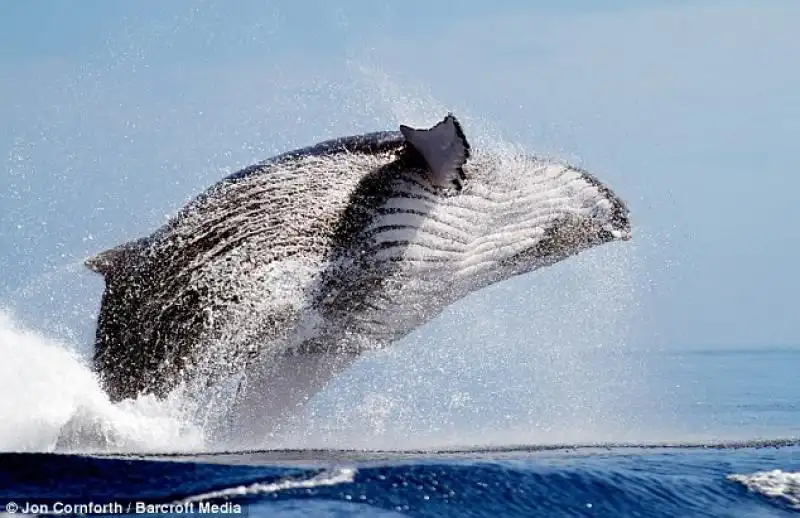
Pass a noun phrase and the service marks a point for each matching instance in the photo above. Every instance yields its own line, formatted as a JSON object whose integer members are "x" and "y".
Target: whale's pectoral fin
{"x": 444, "y": 148}
{"x": 107, "y": 262}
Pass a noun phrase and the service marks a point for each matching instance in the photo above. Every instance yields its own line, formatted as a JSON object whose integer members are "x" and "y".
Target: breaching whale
{"x": 289, "y": 269}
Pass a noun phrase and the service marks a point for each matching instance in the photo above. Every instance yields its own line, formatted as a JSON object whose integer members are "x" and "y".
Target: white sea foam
{"x": 326, "y": 478}
{"x": 50, "y": 400}
{"x": 782, "y": 485}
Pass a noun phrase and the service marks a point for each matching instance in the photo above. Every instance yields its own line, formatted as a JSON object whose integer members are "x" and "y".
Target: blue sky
{"x": 115, "y": 113}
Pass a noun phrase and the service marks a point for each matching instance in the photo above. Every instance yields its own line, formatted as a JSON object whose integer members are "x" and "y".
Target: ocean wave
{"x": 777, "y": 484}
{"x": 621, "y": 483}
{"x": 326, "y": 478}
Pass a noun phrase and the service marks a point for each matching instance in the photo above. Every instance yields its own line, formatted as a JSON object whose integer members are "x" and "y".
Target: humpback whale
{"x": 286, "y": 271}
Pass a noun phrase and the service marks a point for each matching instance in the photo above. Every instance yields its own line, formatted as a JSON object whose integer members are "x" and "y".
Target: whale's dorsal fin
{"x": 444, "y": 148}
{"x": 108, "y": 262}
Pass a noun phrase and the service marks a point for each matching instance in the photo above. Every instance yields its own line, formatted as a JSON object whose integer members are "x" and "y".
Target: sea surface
{"x": 738, "y": 456}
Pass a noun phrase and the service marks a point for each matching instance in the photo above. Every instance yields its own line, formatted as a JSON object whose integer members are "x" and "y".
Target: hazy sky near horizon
{"x": 116, "y": 113}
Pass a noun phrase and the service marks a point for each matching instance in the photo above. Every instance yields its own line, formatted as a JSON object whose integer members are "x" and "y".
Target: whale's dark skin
{"x": 384, "y": 236}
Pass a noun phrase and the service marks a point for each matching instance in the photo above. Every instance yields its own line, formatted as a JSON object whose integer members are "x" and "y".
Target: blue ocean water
{"x": 739, "y": 457}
